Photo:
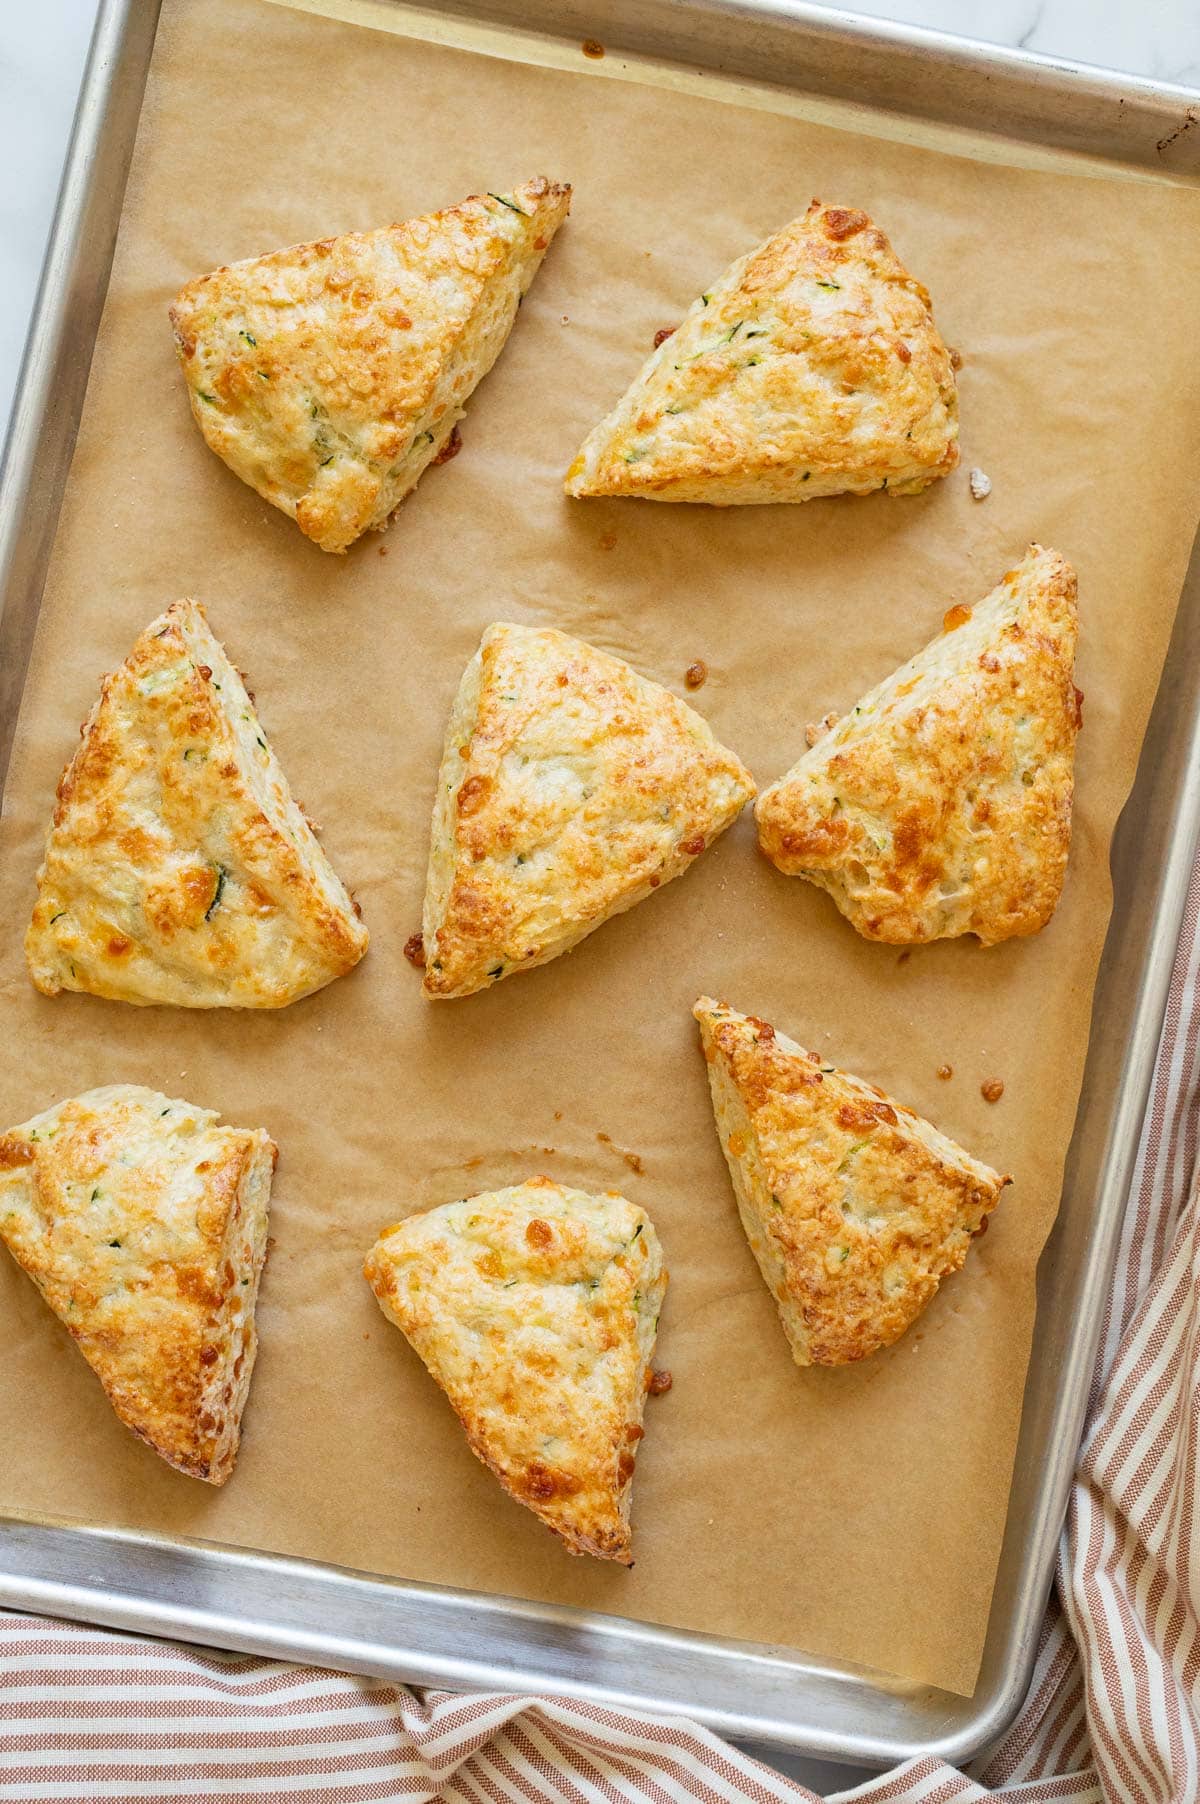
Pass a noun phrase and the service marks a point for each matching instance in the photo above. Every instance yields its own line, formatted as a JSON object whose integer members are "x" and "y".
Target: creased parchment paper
{"x": 854, "y": 1513}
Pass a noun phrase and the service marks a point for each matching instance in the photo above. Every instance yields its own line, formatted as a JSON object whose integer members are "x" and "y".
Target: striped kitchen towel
{"x": 1113, "y": 1713}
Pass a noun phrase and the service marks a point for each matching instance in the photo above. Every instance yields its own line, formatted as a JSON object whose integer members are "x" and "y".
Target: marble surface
{"x": 42, "y": 52}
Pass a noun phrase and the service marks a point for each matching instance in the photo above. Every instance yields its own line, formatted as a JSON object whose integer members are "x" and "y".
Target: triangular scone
{"x": 854, "y": 1207}
{"x": 570, "y": 788}
{"x": 178, "y": 868}
{"x": 941, "y": 803}
{"x": 813, "y": 367}
{"x": 329, "y": 376}
{"x": 144, "y": 1226}
{"x": 536, "y": 1309}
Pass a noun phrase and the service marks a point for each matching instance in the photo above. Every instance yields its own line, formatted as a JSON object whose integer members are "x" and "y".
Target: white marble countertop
{"x": 42, "y": 52}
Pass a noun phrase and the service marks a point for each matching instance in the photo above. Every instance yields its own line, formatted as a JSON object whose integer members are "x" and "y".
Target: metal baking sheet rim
{"x": 267, "y": 1604}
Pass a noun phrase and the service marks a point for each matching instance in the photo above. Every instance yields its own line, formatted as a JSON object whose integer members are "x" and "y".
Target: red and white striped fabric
{"x": 1113, "y": 1715}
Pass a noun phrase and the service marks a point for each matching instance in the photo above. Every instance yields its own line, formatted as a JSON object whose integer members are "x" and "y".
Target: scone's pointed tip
{"x": 542, "y": 193}
{"x": 1049, "y": 563}
{"x": 544, "y": 203}
{"x": 186, "y": 607}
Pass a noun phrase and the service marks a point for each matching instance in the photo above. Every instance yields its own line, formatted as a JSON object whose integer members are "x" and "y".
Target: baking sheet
{"x": 854, "y": 1514}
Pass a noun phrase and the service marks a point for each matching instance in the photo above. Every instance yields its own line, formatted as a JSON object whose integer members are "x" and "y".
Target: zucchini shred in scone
{"x": 855, "y": 1207}
{"x": 143, "y": 1223}
{"x": 329, "y": 376}
{"x": 570, "y": 788}
{"x": 178, "y": 868}
{"x": 812, "y": 367}
{"x": 536, "y": 1310}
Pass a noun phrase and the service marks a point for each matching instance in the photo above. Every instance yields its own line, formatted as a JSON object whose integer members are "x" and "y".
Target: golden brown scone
{"x": 941, "y": 803}
{"x": 178, "y": 868}
{"x": 570, "y": 788}
{"x": 144, "y": 1226}
{"x": 813, "y": 367}
{"x": 536, "y": 1310}
{"x": 329, "y": 376}
{"x": 854, "y": 1207}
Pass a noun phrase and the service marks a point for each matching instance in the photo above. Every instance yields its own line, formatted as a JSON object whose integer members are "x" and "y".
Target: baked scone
{"x": 144, "y": 1225}
{"x": 941, "y": 803}
{"x": 178, "y": 868}
{"x": 813, "y": 367}
{"x": 570, "y": 788}
{"x": 329, "y": 376}
{"x": 854, "y": 1207}
{"x": 536, "y": 1309}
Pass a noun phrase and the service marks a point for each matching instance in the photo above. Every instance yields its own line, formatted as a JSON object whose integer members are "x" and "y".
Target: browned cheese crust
{"x": 941, "y": 803}
{"x": 570, "y": 788}
{"x": 536, "y": 1308}
{"x": 178, "y": 868}
{"x": 329, "y": 376}
{"x": 855, "y": 1207}
{"x": 813, "y": 367}
{"x": 144, "y": 1225}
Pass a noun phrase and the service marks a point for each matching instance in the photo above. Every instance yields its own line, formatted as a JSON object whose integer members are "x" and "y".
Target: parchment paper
{"x": 858, "y": 1513}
